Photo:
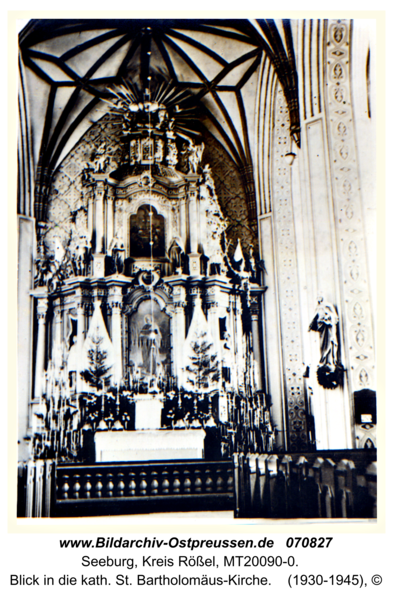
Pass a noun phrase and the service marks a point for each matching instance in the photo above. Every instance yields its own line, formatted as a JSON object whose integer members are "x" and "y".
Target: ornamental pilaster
{"x": 359, "y": 351}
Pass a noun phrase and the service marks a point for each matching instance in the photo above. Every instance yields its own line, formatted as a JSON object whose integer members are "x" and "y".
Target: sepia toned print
{"x": 196, "y": 222}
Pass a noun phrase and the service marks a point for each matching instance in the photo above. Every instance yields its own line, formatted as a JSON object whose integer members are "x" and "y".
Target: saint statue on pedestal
{"x": 325, "y": 322}
{"x": 150, "y": 341}
{"x": 117, "y": 249}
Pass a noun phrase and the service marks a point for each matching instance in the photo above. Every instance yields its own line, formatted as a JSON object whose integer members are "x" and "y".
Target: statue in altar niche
{"x": 117, "y": 249}
{"x": 325, "y": 322}
{"x": 150, "y": 342}
{"x": 80, "y": 249}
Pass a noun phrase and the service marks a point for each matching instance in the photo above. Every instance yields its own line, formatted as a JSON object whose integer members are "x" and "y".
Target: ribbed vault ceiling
{"x": 68, "y": 66}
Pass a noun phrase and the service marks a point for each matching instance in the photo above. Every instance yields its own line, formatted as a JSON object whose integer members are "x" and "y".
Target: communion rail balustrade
{"x": 324, "y": 484}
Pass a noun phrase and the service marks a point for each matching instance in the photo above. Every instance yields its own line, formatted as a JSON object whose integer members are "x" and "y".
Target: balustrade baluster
{"x": 132, "y": 484}
{"x": 165, "y": 483}
{"x": 143, "y": 483}
{"x": 186, "y": 481}
{"x": 208, "y": 481}
{"x": 219, "y": 481}
{"x": 154, "y": 483}
{"x": 65, "y": 487}
{"x": 76, "y": 486}
{"x": 198, "y": 481}
{"x": 176, "y": 482}
{"x": 110, "y": 486}
{"x": 98, "y": 486}
{"x": 120, "y": 484}
{"x": 87, "y": 487}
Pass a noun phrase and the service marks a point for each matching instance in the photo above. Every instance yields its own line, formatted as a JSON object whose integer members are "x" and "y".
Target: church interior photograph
{"x": 197, "y": 268}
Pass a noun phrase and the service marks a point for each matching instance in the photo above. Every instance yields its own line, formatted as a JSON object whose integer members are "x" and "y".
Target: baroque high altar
{"x": 149, "y": 333}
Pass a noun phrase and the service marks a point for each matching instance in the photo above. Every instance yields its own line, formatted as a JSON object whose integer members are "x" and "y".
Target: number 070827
{"x": 306, "y": 542}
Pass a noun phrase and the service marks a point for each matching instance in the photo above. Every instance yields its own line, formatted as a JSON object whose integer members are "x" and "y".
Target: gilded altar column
{"x": 212, "y": 301}
{"x": 109, "y": 217}
{"x": 115, "y": 301}
{"x": 256, "y": 342}
{"x": 99, "y": 215}
{"x": 178, "y": 331}
{"x": 90, "y": 212}
{"x": 98, "y": 255}
{"x": 80, "y": 311}
{"x": 56, "y": 343}
{"x": 183, "y": 220}
{"x": 194, "y": 256}
{"x": 42, "y": 308}
{"x": 192, "y": 217}
{"x": 238, "y": 341}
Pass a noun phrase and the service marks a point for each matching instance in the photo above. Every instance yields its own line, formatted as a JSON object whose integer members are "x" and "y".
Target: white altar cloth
{"x": 161, "y": 444}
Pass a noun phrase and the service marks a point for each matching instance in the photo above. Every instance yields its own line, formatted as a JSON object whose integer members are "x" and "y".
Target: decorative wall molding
{"x": 347, "y": 203}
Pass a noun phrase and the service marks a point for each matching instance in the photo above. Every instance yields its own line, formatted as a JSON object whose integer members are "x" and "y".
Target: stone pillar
{"x": 286, "y": 271}
{"x": 42, "y": 307}
{"x": 25, "y": 307}
{"x": 115, "y": 301}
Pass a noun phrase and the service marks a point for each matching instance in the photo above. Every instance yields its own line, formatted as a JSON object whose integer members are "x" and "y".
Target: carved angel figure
{"x": 192, "y": 156}
{"x": 208, "y": 179}
{"x": 171, "y": 156}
